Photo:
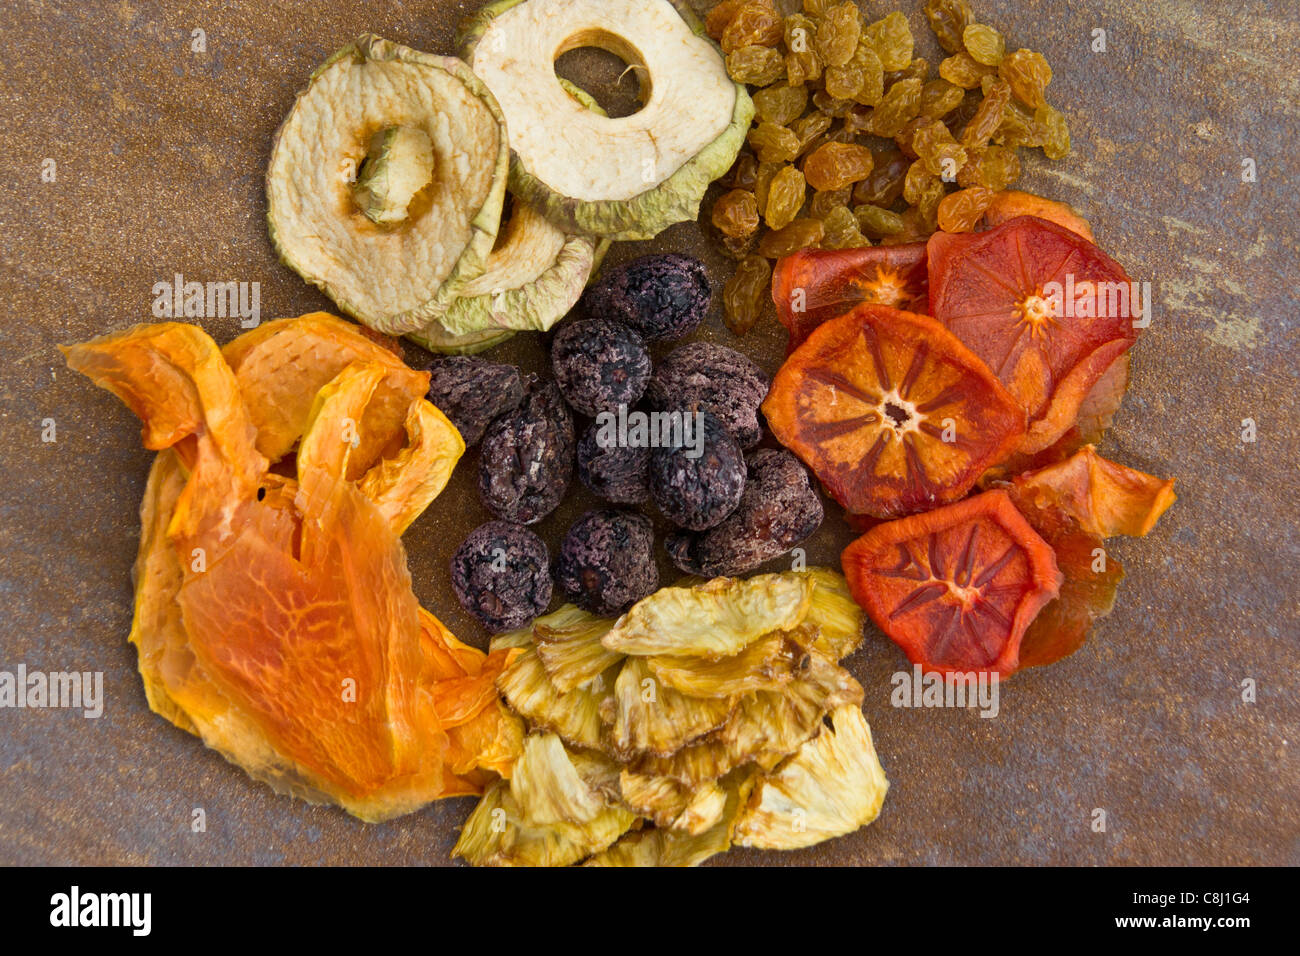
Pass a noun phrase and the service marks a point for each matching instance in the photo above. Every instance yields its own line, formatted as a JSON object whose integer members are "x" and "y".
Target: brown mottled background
{"x": 160, "y": 155}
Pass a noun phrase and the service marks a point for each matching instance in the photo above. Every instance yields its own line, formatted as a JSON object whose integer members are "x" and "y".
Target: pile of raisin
{"x": 855, "y": 142}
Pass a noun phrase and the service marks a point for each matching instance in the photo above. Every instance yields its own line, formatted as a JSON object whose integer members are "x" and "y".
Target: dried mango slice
{"x": 1104, "y": 498}
{"x": 274, "y": 615}
{"x": 832, "y": 786}
{"x": 892, "y": 412}
{"x": 955, "y": 588}
{"x": 1046, "y": 309}
{"x": 1012, "y": 203}
{"x": 816, "y": 285}
{"x": 650, "y": 717}
{"x": 713, "y": 620}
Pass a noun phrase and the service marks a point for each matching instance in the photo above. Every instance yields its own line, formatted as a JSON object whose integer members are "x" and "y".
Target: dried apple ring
{"x": 815, "y": 285}
{"x": 892, "y": 412}
{"x": 1046, "y": 309}
{"x": 955, "y": 588}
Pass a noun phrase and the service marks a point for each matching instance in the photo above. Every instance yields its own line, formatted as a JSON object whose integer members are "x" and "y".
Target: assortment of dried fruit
{"x": 855, "y": 143}
{"x": 710, "y": 715}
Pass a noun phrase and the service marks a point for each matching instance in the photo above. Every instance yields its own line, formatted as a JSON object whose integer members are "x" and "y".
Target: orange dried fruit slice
{"x": 892, "y": 412}
{"x": 1011, "y": 204}
{"x": 815, "y": 285}
{"x": 955, "y": 588}
{"x": 1048, "y": 311}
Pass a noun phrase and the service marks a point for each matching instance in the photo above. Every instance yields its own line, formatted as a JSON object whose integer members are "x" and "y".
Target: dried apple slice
{"x": 1047, "y": 310}
{"x": 955, "y": 588}
{"x": 815, "y": 285}
{"x": 892, "y": 412}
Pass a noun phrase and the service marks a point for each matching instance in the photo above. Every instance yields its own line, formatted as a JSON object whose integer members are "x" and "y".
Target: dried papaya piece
{"x": 892, "y": 412}
{"x": 1012, "y": 203}
{"x": 815, "y": 285}
{"x": 1047, "y": 310}
{"x": 955, "y": 588}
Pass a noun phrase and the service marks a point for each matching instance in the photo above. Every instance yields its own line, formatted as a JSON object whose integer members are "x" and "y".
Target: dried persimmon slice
{"x": 1012, "y": 203}
{"x": 1047, "y": 310}
{"x": 955, "y": 588}
{"x": 892, "y": 412}
{"x": 815, "y": 285}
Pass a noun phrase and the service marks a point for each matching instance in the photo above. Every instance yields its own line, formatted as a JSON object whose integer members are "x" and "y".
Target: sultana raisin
{"x": 755, "y": 23}
{"x": 962, "y": 70}
{"x": 994, "y": 167}
{"x": 984, "y": 44}
{"x": 756, "y": 65}
{"x": 743, "y": 172}
{"x": 948, "y": 19}
{"x": 942, "y": 154}
{"x": 1056, "y": 132}
{"x": 988, "y": 118}
{"x": 919, "y": 183}
{"x": 809, "y": 128}
{"x": 785, "y": 197}
{"x": 763, "y": 181}
{"x": 902, "y": 102}
{"x": 904, "y": 137}
{"x": 836, "y": 165}
{"x": 918, "y": 69}
{"x": 842, "y": 230}
{"x": 780, "y": 104}
{"x": 884, "y": 186}
{"x": 878, "y": 222}
{"x": 844, "y": 82}
{"x": 892, "y": 39}
{"x": 915, "y": 229}
{"x": 827, "y": 201}
{"x": 1029, "y": 74}
{"x": 873, "y": 74}
{"x": 744, "y": 294}
{"x": 960, "y": 211}
{"x": 816, "y": 7}
{"x": 838, "y": 33}
{"x": 939, "y": 98}
{"x": 857, "y": 121}
{"x": 773, "y": 144}
{"x": 720, "y": 17}
{"x": 735, "y": 214}
{"x": 1019, "y": 128}
{"x": 800, "y": 234}
{"x": 832, "y": 106}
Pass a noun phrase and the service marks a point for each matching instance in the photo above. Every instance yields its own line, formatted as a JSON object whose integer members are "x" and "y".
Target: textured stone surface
{"x": 161, "y": 153}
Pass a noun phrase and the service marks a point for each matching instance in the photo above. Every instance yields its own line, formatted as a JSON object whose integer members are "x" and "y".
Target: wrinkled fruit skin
{"x": 619, "y": 473}
{"x": 662, "y": 297}
{"x": 777, "y": 511}
{"x": 955, "y": 588}
{"x": 698, "y": 493}
{"x": 501, "y": 574}
{"x": 715, "y": 379}
{"x": 526, "y": 462}
{"x": 472, "y": 391}
{"x": 599, "y": 365}
{"x": 607, "y": 562}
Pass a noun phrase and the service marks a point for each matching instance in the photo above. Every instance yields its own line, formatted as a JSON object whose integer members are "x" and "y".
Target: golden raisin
{"x": 838, "y": 33}
{"x": 902, "y": 102}
{"x": 1029, "y": 74}
{"x": 842, "y": 230}
{"x": 935, "y": 146}
{"x": 873, "y": 74}
{"x": 780, "y": 104}
{"x": 939, "y": 98}
{"x": 962, "y": 70}
{"x": 773, "y": 144}
{"x": 755, "y": 23}
{"x": 988, "y": 118}
{"x": 744, "y": 294}
{"x": 800, "y": 234}
{"x": 827, "y": 201}
{"x": 949, "y": 20}
{"x": 735, "y": 214}
{"x": 720, "y": 17}
{"x": 809, "y": 128}
{"x": 984, "y": 44}
{"x": 875, "y": 221}
{"x": 756, "y": 65}
{"x": 892, "y": 39}
{"x": 836, "y": 165}
{"x": 961, "y": 211}
{"x": 884, "y": 186}
{"x": 1056, "y": 132}
{"x": 785, "y": 197}
{"x": 743, "y": 172}
{"x": 994, "y": 167}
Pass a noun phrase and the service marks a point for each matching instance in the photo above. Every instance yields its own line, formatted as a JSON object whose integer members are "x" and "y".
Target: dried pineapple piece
{"x": 497, "y": 833}
{"x": 831, "y": 786}
{"x": 766, "y": 664}
{"x": 650, "y": 717}
{"x": 694, "y": 765}
{"x": 717, "y": 619}
{"x": 568, "y": 643}
{"x": 575, "y": 716}
{"x": 547, "y": 786}
{"x": 834, "y": 612}
{"x": 672, "y": 804}
{"x": 664, "y": 848}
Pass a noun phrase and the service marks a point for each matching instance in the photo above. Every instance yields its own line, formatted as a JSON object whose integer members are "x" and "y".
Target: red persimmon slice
{"x": 815, "y": 285}
{"x": 892, "y": 412}
{"x": 1046, "y": 309}
{"x": 955, "y": 588}
{"x": 1011, "y": 204}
